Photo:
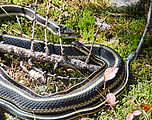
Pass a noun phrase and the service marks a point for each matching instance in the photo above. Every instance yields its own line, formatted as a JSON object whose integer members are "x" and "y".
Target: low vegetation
{"x": 123, "y": 35}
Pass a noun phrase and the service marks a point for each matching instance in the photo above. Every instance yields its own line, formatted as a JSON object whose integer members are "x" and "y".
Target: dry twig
{"x": 60, "y": 36}
{"x": 95, "y": 35}
{"x": 22, "y": 52}
{"x": 33, "y": 31}
{"x": 46, "y": 23}
{"x": 19, "y": 23}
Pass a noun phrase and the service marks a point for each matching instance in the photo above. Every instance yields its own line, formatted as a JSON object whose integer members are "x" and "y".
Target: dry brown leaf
{"x": 146, "y": 107}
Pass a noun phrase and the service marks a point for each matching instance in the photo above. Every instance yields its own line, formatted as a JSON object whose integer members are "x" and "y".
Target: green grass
{"x": 127, "y": 31}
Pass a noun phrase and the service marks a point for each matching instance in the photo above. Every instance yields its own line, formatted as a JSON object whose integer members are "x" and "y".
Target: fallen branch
{"x": 34, "y": 22}
{"x": 60, "y": 36}
{"x": 95, "y": 36}
{"x": 46, "y": 24}
{"x": 22, "y": 52}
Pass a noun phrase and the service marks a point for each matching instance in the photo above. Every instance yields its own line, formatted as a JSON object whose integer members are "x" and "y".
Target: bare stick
{"x": 36, "y": 69}
{"x": 25, "y": 53}
{"x": 3, "y": 65}
{"x": 33, "y": 31}
{"x": 23, "y": 67}
{"x": 19, "y": 24}
{"x": 65, "y": 78}
{"x": 95, "y": 35}
{"x": 46, "y": 23}
{"x": 60, "y": 36}
{"x": 18, "y": 32}
{"x": 32, "y": 73}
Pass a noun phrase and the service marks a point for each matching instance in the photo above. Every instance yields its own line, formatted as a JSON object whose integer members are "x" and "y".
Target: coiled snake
{"x": 80, "y": 99}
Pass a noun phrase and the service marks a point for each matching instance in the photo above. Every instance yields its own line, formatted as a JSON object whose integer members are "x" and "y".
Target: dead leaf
{"x": 111, "y": 99}
{"x": 109, "y": 74}
{"x": 137, "y": 113}
{"x": 146, "y": 107}
{"x": 129, "y": 116}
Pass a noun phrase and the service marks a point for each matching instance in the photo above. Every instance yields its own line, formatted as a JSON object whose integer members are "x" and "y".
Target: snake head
{"x": 68, "y": 33}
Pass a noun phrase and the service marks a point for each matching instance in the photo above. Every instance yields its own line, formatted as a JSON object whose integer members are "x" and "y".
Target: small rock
{"x": 122, "y": 5}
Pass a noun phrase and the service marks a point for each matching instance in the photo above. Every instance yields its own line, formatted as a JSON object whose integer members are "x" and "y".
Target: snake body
{"x": 85, "y": 97}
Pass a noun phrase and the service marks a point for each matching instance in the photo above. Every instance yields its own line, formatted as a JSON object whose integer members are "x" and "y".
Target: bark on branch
{"x": 25, "y": 53}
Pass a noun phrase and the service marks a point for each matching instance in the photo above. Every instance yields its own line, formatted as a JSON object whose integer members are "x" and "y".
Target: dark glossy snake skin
{"x": 52, "y": 105}
{"x": 82, "y": 98}
{"x": 7, "y": 11}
